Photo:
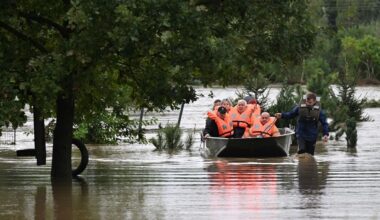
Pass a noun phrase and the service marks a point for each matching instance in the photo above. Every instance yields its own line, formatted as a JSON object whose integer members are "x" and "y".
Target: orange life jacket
{"x": 255, "y": 108}
{"x": 255, "y": 112}
{"x": 259, "y": 130}
{"x": 225, "y": 127}
{"x": 243, "y": 119}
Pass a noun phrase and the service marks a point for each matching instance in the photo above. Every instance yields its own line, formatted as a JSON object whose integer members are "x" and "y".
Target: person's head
{"x": 227, "y": 104}
{"x": 311, "y": 99}
{"x": 221, "y": 112}
{"x": 241, "y": 105}
{"x": 217, "y": 103}
{"x": 264, "y": 117}
{"x": 250, "y": 100}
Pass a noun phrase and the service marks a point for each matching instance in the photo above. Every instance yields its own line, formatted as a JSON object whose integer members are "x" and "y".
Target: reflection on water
{"x": 311, "y": 181}
{"x": 62, "y": 201}
{"x": 243, "y": 186}
{"x": 40, "y": 203}
{"x": 310, "y": 178}
{"x": 136, "y": 182}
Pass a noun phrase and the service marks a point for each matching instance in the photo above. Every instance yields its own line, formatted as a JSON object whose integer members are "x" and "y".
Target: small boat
{"x": 249, "y": 147}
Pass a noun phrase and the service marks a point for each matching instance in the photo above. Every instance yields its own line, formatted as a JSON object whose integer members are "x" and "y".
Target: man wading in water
{"x": 309, "y": 113}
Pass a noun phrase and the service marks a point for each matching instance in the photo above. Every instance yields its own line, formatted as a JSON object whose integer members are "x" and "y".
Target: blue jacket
{"x": 307, "y": 130}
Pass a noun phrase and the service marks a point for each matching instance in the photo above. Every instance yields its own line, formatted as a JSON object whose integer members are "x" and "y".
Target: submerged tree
{"x": 75, "y": 60}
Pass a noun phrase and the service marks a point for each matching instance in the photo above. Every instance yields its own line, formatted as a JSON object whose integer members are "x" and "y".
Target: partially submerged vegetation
{"x": 170, "y": 138}
{"x": 73, "y": 62}
{"x": 372, "y": 104}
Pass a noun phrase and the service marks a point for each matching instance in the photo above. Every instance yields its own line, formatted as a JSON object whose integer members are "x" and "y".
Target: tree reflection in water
{"x": 62, "y": 199}
{"x": 64, "y": 202}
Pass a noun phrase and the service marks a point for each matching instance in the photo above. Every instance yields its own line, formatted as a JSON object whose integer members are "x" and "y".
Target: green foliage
{"x": 355, "y": 105}
{"x": 257, "y": 32}
{"x": 49, "y": 129}
{"x": 173, "y": 137}
{"x": 114, "y": 55}
{"x": 317, "y": 67}
{"x": 170, "y": 138}
{"x": 351, "y": 132}
{"x": 257, "y": 87}
{"x": 355, "y": 12}
{"x": 110, "y": 128}
{"x": 11, "y": 107}
{"x": 348, "y": 42}
{"x": 287, "y": 99}
{"x": 347, "y": 108}
{"x": 361, "y": 30}
{"x": 372, "y": 104}
{"x": 189, "y": 142}
{"x": 319, "y": 83}
{"x": 362, "y": 56}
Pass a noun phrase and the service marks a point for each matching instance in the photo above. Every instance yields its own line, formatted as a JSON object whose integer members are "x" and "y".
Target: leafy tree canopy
{"x": 119, "y": 52}
{"x": 90, "y": 57}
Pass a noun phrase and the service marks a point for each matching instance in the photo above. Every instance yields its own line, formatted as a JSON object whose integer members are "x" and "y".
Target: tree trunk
{"x": 140, "y": 134}
{"x": 63, "y": 134}
{"x": 180, "y": 114}
{"x": 39, "y": 136}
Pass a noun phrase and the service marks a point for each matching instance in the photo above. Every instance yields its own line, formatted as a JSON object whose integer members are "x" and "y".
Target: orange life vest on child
{"x": 259, "y": 130}
{"x": 225, "y": 127}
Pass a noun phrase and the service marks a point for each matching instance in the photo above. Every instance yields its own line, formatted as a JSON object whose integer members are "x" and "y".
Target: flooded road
{"x": 136, "y": 182}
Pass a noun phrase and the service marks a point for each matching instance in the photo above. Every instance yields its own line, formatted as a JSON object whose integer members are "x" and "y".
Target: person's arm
{"x": 274, "y": 131}
{"x": 207, "y": 130}
{"x": 325, "y": 125}
{"x": 288, "y": 115}
{"x": 211, "y": 128}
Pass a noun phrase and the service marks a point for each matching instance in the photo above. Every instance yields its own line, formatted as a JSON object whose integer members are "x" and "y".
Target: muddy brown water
{"x": 136, "y": 182}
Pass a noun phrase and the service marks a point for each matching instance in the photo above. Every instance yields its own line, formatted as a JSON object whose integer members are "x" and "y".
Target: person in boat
{"x": 253, "y": 105}
{"x": 226, "y": 103}
{"x": 264, "y": 127}
{"x": 216, "y": 105}
{"x": 241, "y": 118}
{"x": 309, "y": 113}
{"x": 218, "y": 124}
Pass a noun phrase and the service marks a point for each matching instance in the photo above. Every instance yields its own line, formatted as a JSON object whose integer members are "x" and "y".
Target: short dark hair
{"x": 217, "y": 100}
{"x": 311, "y": 96}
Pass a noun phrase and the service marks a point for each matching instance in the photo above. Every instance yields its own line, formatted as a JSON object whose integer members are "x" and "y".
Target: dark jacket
{"x": 211, "y": 128}
{"x": 307, "y": 130}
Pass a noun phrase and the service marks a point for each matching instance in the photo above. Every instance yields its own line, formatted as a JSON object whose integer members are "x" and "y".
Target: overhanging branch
{"x": 22, "y": 36}
{"x": 44, "y": 21}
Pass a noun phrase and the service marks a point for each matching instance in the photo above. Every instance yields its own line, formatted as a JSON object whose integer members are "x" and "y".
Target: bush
{"x": 110, "y": 128}
{"x": 287, "y": 99}
{"x": 170, "y": 138}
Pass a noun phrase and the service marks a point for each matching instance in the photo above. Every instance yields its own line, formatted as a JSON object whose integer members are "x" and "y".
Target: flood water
{"x": 136, "y": 182}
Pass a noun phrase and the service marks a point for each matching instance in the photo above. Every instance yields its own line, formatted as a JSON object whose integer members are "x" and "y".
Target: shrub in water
{"x": 170, "y": 138}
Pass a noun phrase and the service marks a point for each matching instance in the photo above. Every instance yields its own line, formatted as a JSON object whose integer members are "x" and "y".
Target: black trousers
{"x": 306, "y": 146}
{"x": 238, "y": 132}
